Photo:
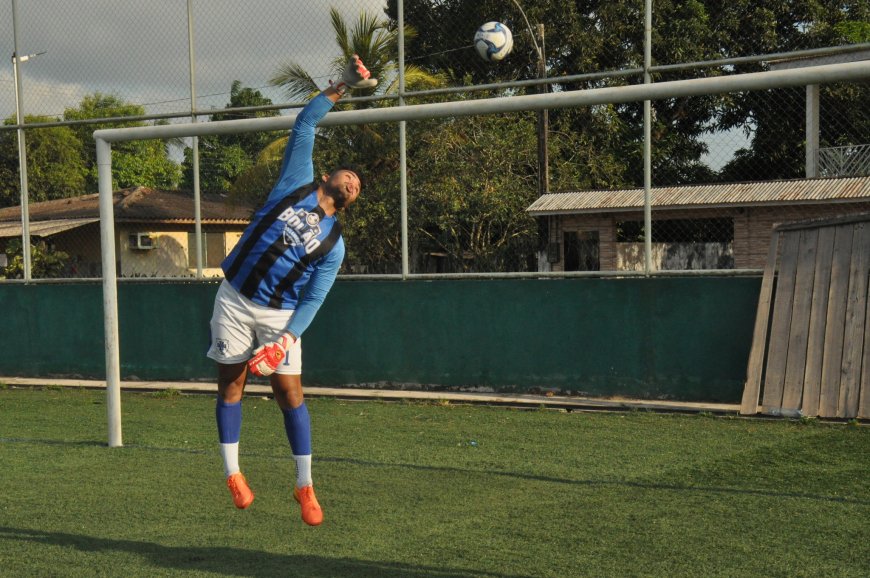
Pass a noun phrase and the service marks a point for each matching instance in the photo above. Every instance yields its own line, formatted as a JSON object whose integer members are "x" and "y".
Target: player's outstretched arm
{"x": 297, "y": 166}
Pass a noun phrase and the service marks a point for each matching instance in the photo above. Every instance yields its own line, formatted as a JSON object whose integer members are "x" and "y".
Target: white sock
{"x": 303, "y": 470}
{"x": 230, "y": 454}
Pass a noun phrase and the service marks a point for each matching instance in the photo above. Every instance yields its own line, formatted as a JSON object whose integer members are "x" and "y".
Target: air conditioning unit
{"x": 142, "y": 241}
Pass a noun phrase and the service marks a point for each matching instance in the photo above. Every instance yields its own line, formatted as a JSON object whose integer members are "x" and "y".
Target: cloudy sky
{"x": 139, "y": 50}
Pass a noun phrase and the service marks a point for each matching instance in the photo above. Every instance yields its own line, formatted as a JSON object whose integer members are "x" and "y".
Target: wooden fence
{"x": 808, "y": 353}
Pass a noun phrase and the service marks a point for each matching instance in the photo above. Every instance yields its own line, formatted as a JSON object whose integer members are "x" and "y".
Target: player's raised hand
{"x": 355, "y": 75}
{"x": 267, "y": 358}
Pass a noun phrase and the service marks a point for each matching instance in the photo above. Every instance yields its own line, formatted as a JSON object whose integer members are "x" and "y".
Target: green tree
{"x": 45, "y": 261}
{"x": 56, "y": 167}
{"x": 599, "y": 36}
{"x": 134, "y": 163}
{"x": 224, "y": 158}
{"x": 775, "y": 119}
{"x": 586, "y": 37}
{"x": 219, "y": 166}
{"x": 470, "y": 192}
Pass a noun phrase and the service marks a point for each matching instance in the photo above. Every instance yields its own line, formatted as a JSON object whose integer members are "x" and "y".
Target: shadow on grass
{"x": 48, "y": 442}
{"x": 230, "y": 561}
{"x": 624, "y": 483}
{"x": 514, "y": 475}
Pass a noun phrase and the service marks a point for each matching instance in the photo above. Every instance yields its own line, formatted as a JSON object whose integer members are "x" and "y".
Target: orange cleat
{"x": 242, "y": 494}
{"x": 311, "y": 512}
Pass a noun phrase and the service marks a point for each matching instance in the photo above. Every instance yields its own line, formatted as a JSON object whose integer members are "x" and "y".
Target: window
{"x": 677, "y": 244}
{"x": 582, "y": 251}
{"x": 213, "y": 250}
{"x": 678, "y": 231}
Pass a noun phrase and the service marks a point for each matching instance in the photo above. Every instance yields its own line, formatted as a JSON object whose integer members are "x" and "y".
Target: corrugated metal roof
{"x": 788, "y": 192}
{"x": 43, "y": 228}
{"x": 137, "y": 204}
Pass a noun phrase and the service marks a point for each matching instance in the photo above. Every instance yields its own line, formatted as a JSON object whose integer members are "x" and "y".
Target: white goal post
{"x": 813, "y": 75}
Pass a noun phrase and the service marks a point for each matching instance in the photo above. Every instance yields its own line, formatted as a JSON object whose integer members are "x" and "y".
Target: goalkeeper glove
{"x": 355, "y": 75}
{"x": 266, "y": 358}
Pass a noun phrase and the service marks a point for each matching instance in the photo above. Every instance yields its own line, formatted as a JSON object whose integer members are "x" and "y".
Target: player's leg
{"x": 232, "y": 340}
{"x": 287, "y": 387}
{"x": 297, "y": 423}
{"x": 228, "y": 412}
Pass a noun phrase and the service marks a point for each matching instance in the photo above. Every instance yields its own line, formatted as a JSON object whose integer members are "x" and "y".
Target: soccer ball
{"x": 493, "y": 41}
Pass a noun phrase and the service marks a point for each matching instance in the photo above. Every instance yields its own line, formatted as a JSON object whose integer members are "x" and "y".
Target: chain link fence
{"x": 526, "y": 192}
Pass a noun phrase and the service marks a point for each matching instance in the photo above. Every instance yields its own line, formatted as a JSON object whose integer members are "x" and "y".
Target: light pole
{"x": 22, "y": 163}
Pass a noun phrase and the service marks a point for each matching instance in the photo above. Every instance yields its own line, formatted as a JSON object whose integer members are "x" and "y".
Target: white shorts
{"x": 238, "y": 326}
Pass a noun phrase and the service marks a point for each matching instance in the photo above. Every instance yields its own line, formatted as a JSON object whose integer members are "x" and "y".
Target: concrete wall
{"x": 169, "y": 257}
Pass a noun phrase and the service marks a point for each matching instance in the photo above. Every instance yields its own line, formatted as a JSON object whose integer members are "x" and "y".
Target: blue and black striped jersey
{"x": 289, "y": 255}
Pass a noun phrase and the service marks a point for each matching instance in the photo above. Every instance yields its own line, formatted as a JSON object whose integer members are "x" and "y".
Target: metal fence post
{"x": 812, "y": 152}
{"x": 403, "y": 148}
{"x": 647, "y": 143}
{"x": 197, "y": 215}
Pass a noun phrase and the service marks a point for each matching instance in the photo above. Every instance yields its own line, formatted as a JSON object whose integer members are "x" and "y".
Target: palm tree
{"x": 376, "y": 43}
{"x": 375, "y": 233}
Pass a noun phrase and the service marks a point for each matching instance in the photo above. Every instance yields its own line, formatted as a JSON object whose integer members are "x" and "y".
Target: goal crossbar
{"x": 567, "y": 99}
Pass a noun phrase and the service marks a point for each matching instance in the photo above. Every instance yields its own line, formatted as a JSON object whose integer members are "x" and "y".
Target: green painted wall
{"x": 678, "y": 337}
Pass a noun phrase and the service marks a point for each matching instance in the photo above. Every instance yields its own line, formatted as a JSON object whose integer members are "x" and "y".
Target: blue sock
{"x": 297, "y": 423}
{"x": 229, "y": 421}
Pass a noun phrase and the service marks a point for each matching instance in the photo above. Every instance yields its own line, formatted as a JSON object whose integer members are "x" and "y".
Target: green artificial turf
{"x": 412, "y": 489}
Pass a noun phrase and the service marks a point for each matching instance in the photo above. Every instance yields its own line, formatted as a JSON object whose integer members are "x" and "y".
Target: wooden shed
{"x": 718, "y": 226}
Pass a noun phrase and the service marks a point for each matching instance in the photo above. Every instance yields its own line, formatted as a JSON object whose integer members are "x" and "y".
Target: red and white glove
{"x": 355, "y": 75}
{"x": 267, "y": 358}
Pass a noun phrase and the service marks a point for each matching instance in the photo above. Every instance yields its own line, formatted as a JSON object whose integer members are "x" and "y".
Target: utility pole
{"x": 543, "y": 117}
{"x": 543, "y": 123}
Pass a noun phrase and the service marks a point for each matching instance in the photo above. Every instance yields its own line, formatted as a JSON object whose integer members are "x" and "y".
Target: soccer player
{"x": 276, "y": 278}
